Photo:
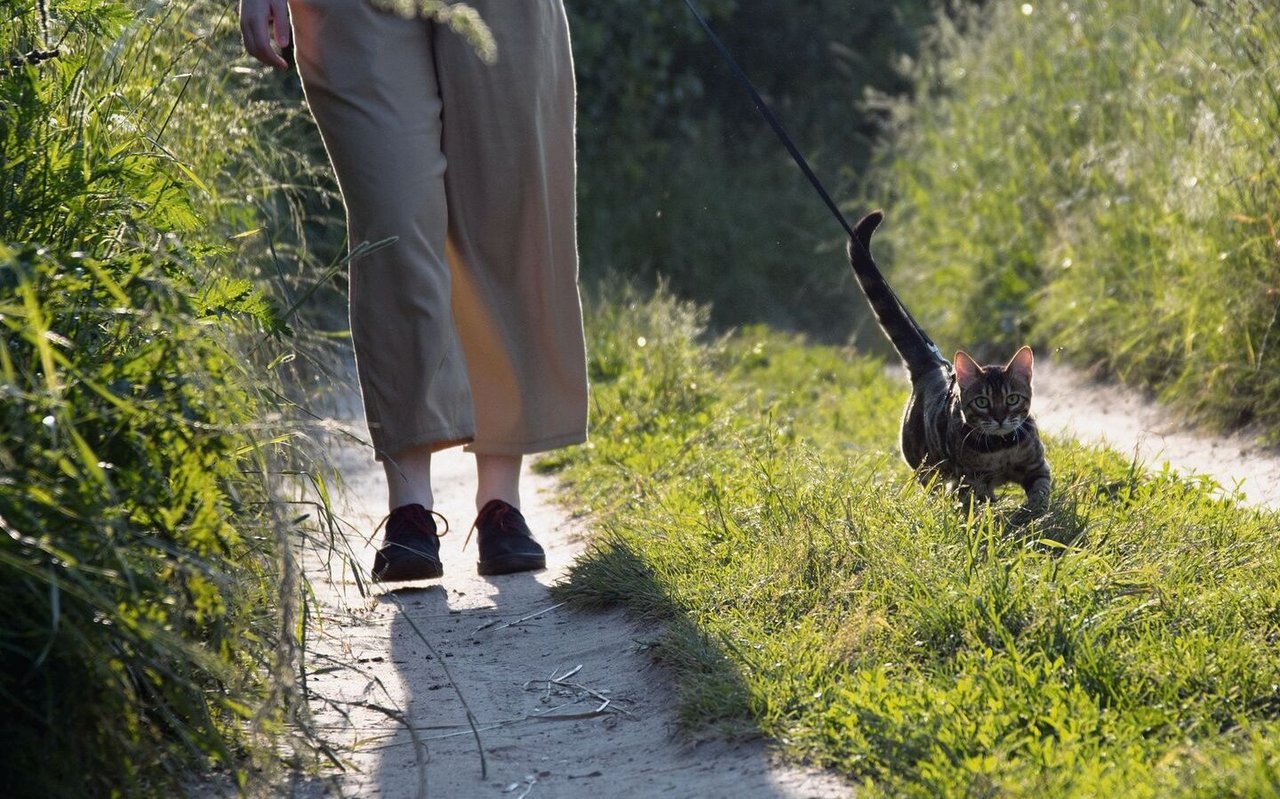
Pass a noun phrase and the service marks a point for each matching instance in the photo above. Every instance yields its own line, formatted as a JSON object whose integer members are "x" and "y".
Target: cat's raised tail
{"x": 917, "y": 350}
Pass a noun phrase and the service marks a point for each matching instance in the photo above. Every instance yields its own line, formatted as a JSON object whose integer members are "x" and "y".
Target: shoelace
{"x": 494, "y": 509}
{"x": 415, "y": 518}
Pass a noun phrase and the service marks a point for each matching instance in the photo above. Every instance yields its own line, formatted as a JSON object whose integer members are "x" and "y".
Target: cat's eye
{"x": 1013, "y": 399}
{"x": 982, "y": 403}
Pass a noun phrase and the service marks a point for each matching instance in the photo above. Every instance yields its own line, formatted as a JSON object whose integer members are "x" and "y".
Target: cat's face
{"x": 995, "y": 400}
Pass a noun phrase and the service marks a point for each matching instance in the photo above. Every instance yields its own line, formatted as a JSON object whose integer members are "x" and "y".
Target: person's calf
{"x": 498, "y": 477}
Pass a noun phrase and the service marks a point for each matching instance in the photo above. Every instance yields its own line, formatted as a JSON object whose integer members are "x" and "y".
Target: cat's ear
{"x": 967, "y": 369}
{"x": 1020, "y": 364}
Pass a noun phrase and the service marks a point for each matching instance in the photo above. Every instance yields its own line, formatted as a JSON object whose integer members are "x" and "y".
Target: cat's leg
{"x": 911, "y": 439}
{"x": 1038, "y": 484}
{"x": 969, "y": 492}
{"x": 981, "y": 491}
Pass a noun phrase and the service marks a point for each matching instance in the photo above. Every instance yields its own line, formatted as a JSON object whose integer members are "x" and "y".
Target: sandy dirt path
{"x": 1068, "y": 403}
{"x": 477, "y": 687}
{"x": 484, "y": 687}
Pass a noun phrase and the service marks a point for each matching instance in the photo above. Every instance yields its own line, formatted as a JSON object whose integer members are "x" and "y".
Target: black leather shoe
{"x": 410, "y": 547}
{"x": 506, "y": 545}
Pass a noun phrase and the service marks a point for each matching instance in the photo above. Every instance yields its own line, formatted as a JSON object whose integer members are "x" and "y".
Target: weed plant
{"x": 150, "y": 629}
{"x": 1101, "y": 177}
{"x": 752, "y": 501}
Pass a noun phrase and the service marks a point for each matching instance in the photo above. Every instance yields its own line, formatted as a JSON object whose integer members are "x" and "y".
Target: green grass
{"x": 750, "y": 498}
{"x": 151, "y": 627}
{"x": 1100, "y": 178}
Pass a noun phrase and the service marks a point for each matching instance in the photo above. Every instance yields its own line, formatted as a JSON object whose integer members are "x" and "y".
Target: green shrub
{"x": 681, "y": 180}
{"x": 134, "y": 584}
{"x": 149, "y": 631}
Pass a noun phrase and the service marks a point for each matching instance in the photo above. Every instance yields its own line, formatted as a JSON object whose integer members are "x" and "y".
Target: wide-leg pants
{"x": 468, "y": 328}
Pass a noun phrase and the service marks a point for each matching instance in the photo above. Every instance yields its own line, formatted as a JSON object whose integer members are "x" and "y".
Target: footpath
{"x": 474, "y": 686}
{"x": 1068, "y": 403}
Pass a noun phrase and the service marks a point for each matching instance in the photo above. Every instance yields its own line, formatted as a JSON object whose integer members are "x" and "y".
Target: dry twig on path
{"x": 520, "y": 620}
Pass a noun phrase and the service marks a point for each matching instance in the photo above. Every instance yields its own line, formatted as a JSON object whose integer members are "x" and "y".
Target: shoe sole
{"x": 409, "y": 569}
{"x": 510, "y": 564}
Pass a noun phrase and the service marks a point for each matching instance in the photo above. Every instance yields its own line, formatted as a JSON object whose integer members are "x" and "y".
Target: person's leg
{"x": 409, "y": 478}
{"x": 509, "y": 138}
{"x": 370, "y": 81}
{"x": 498, "y": 477}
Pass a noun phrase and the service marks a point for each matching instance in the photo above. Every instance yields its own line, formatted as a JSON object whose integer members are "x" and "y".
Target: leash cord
{"x": 772, "y": 119}
{"x": 769, "y": 117}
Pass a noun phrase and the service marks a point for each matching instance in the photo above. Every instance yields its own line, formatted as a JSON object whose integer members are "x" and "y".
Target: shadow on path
{"x": 476, "y": 686}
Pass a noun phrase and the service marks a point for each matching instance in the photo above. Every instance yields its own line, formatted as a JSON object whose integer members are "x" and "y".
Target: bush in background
{"x": 1102, "y": 177}
{"x": 681, "y": 179}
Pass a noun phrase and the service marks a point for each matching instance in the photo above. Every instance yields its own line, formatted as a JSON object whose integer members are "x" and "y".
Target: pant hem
{"x": 437, "y": 441}
{"x": 525, "y": 447}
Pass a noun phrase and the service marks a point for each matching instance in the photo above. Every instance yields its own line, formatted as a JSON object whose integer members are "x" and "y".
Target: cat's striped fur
{"x": 968, "y": 425}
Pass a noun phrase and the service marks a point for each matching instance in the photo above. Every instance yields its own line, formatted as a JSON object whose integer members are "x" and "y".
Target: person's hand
{"x": 264, "y": 25}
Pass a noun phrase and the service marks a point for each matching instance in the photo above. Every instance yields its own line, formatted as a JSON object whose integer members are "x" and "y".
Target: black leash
{"x": 769, "y": 117}
{"x": 772, "y": 119}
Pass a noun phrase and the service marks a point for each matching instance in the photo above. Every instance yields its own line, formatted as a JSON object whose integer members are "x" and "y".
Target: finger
{"x": 280, "y": 22}
{"x": 256, "y": 30}
{"x": 258, "y": 45}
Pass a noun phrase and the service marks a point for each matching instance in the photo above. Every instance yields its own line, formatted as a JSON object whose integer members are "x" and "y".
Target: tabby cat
{"x": 968, "y": 425}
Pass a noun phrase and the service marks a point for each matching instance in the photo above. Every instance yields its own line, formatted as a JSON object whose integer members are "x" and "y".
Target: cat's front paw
{"x": 1037, "y": 502}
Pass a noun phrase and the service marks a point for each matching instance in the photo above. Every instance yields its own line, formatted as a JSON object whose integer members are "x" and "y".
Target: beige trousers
{"x": 468, "y": 328}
